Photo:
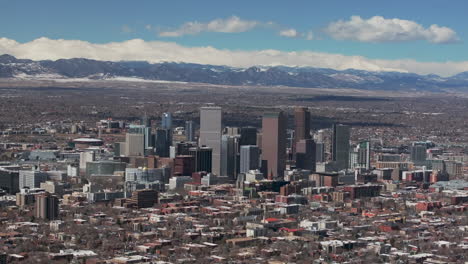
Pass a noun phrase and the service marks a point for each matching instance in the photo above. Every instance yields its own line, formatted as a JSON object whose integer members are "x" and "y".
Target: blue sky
{"x": 107, "y": 21}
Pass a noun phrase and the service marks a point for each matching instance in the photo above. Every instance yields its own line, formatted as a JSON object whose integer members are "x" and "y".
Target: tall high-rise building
{"x": 320, "y": 152}
{"x": 138, "y": 139}
{"x": 163, "y": 142}
{"x": 301, "y": 125}
{"x": 145, "y": 129}
{"x": 353, "y": 160}
{"x": 363, "y": 159}
{"x": 324, "y": 137}
{"x": 47, "y": 206}
{"x": 149, "y": 139}
{"x": 249, "y": 158}
{"x": 190, "y": 130}
{"x": 210, "y": 134}
{"x": 203, "y": 158}
{"x": 340, "y": 146}
{"x": 134, "y": 144}
{"x": 229, "y": 156}
{"x": 166, "y": 121}
{"x": 305, "y": 154}
{"x": 248, "y": 136}
{"x": 274, "y": 143}
{"x": 418, "y": 154}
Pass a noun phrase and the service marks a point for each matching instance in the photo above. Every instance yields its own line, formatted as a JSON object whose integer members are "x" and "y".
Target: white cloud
{"x": 380, "y": 29}
{"x": 232, "y": 24}
{"x": 159, "y": 51}
{"x": 229, "y": 25}
{"x": 289, "y": 33}
{"x": 292, "y": 33}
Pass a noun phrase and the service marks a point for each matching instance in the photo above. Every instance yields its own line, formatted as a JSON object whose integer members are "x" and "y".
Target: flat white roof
{"x": 87, "y": 140}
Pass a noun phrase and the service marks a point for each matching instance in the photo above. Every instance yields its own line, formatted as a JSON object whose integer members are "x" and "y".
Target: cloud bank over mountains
{"x": 161, "y": 51}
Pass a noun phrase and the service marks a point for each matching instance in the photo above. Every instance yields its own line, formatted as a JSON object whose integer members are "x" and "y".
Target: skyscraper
{"x": 249, "y": 158}
{"x": 418, "y": 154}
{"x": 353, "y": 160}
{"x": 149, "y": 139}
{"x": 145, "y": 129}
{"x": 210, "y": 134}
{"x": 163, "y": 142}
{"x": 47, "y": 206}
{"x": 134, "y": 144}
{"x": 189, "y": 130}
{"x": 319, "y": 152}
{"x": 274, "y": 143}
{"x": 363, "y": 159}
{"x": 305, "y": 154}
{"x": 301, "y": 125}
{"x": 340, "y": 146}
{"x": 203, "y": 158}
{"x": 166, "y": 121}
{"x": 229, "y": 156}
{"x": 248, "y": 136}
{"x": 138, "y": 139}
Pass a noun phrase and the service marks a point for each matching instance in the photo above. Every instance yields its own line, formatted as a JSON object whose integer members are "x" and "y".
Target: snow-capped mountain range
{"x": 84, "y": 69}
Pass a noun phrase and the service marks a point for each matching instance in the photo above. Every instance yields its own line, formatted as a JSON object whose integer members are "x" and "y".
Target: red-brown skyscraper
{"x": 274, "y": 143}
{"x": 301, "y": 125}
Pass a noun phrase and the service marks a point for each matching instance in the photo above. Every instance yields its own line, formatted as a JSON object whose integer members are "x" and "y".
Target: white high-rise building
{"x": 210, "y": 133}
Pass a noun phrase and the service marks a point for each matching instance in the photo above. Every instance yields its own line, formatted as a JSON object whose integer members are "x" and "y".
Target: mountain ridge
{"x": 308, "y": 77}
